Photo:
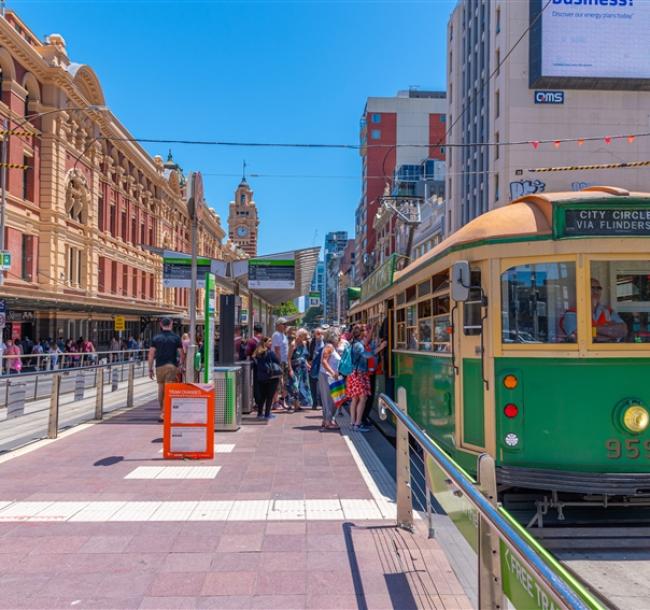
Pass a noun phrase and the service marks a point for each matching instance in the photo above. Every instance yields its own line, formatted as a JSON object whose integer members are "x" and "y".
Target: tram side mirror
{"x": 460, "y": 281}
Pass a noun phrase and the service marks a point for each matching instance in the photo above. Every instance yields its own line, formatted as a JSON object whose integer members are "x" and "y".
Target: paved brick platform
{"x": 284, "y": 517}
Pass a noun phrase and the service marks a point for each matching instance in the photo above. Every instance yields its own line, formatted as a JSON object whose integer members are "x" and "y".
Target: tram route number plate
{"x": 630, "y": 448}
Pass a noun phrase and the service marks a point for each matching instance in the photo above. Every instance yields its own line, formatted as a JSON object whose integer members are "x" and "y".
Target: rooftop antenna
{"x": 244, "y": 163}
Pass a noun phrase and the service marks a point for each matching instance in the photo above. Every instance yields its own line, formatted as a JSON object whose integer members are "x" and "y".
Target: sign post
{"x": 209, "y": 312}
{"x": 189, "y": 421}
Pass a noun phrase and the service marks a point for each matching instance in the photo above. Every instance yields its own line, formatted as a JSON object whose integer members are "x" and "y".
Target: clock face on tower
{"x": 242, "y": 231}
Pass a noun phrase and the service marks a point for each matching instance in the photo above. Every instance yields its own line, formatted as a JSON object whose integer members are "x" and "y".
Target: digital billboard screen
{"x": 590, "y": 44}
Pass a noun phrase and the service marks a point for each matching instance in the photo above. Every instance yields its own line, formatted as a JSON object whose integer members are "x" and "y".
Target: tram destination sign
{"x": 606, "y": 222}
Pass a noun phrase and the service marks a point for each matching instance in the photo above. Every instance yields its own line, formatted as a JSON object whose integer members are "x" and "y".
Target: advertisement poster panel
{"x": 572, "y": 35}
{"x": 189, "y": 421}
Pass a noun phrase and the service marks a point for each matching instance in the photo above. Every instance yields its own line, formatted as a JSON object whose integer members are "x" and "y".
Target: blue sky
{"x": 255, "y": 72}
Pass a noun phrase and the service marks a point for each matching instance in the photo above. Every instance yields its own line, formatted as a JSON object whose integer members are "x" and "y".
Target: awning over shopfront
{"x": 75, "y": 303}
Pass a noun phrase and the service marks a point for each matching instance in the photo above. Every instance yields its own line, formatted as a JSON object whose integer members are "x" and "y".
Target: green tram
{"x": 526, "y": 335}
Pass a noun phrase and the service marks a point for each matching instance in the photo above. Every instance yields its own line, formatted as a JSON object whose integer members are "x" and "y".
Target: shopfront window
{"x": 538, "y": 303}
{"x": 620, "y": 301}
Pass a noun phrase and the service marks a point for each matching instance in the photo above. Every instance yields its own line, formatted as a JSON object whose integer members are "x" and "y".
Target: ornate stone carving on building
{"x": 77, "y": 196}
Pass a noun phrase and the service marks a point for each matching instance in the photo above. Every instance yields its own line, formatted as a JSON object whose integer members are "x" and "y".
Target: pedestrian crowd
{"x": 25, "y": 355}
{"x": 295, "y": 369}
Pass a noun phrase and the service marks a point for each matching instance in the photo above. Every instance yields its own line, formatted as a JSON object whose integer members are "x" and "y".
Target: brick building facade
{"x": 86, "y": 209}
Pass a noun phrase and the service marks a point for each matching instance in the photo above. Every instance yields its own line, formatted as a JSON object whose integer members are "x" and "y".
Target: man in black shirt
{"x": 165, "y": 351}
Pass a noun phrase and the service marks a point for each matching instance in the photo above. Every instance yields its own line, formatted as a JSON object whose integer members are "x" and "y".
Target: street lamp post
{"x": 195, "y": 201}
{"x": 3, "y": 163}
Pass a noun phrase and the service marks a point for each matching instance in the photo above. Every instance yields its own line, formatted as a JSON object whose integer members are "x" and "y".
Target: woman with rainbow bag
{"x": 330, "y": 383}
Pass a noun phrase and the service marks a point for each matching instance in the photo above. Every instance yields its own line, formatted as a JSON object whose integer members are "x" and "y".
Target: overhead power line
{"x": 606, "y": 138}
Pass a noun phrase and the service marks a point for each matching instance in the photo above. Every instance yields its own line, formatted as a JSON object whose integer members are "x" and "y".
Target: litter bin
{"x": 246, "y": 386}
{"x": 227, "y": 398}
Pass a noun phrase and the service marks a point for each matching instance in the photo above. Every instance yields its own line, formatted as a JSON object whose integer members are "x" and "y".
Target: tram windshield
{"x": 535, "y": 302}
{"x": 620, "y": 301}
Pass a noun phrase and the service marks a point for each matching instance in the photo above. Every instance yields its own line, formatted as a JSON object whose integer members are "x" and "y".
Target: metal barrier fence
{"x": 37, "y": 386}
{"x": 31, "y": 363}
{"x": 36, "y": 405}
{"x": 510, "y": 562}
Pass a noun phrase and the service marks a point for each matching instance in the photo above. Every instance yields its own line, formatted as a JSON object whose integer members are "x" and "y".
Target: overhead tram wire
{"x": 320, "y": 145}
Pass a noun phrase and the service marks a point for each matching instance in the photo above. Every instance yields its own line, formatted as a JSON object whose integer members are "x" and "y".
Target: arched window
{"x": 242, "y": 198}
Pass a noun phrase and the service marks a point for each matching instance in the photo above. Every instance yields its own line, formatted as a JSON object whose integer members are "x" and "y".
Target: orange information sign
{"x": 189, "y": 421}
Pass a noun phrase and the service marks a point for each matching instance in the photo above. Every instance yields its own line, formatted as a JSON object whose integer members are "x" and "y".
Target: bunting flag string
{"x": 572, "y": 168}
{"x": 581, "y": 141}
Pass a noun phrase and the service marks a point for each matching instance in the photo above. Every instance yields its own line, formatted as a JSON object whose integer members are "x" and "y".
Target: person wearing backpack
{"x": 267, "y": 375}
{"x": 357, "y": 386}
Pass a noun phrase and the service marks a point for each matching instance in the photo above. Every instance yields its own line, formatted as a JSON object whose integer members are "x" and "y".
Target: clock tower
{"x": 242, "y": 219}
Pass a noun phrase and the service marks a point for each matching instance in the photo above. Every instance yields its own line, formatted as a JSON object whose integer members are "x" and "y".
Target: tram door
{"x": 470, "y": 389}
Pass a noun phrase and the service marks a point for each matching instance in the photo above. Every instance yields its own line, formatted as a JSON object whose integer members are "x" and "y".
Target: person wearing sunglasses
{"x": 606, "y": 325}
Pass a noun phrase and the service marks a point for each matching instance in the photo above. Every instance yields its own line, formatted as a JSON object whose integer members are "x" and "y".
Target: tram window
{"x": 410, "y": 294}
{"x": 620, "y": 301}
{"x": 472, "y": 307}
{"x": 401, "y": 298}
{"x": 440, "y": 305}
{"x": 441, "y": 333}
{"x": 400, "y": 318}
{"x": 537, "y": 302}
{"x": 425, "y": 331}
{"x": 410, "y": 315}
{"x": 424, "y": 309}
{"x": 424, "y": 288}
{"x": 425, "y": 327}
{"x": 440, "y": 282}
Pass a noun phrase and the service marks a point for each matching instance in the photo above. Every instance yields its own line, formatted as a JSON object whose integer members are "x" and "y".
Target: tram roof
{"x": 528, "y": 216}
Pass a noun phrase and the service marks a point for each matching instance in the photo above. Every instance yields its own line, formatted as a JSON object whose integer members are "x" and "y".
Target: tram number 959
{"x": 631, "y": 448}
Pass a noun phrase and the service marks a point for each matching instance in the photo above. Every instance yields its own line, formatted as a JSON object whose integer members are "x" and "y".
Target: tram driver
{"x": 607, "y": 326}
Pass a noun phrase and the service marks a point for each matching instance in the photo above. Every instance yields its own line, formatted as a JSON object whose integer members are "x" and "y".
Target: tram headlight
{"x": 636, "y": 418}
{"x": 510, "y": 382}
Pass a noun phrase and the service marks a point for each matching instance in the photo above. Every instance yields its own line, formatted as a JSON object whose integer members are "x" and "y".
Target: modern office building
{"x": 318, "y": 281}
{"x": 550, "y": 86}
{"x": 396, "y": 132}
{"x": 335, "y": 243}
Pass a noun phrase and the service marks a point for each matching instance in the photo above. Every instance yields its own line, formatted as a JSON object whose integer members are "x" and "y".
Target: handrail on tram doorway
{"x": 530, "y": 578}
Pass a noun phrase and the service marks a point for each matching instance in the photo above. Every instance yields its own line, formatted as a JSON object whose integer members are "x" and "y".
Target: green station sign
{"x": 520, "y": 586}
{"x": 5, "y": 260}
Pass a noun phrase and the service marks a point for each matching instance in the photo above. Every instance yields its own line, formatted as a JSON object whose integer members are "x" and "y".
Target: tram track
{"x": 608, "y": 549}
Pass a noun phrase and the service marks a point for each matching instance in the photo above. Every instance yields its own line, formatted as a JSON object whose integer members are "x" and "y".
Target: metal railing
{"x": 47, "y": 361}
{"x": 37, "y": 385}
{"x": 535, "y": 571}
{"x": 33, "y": 405}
